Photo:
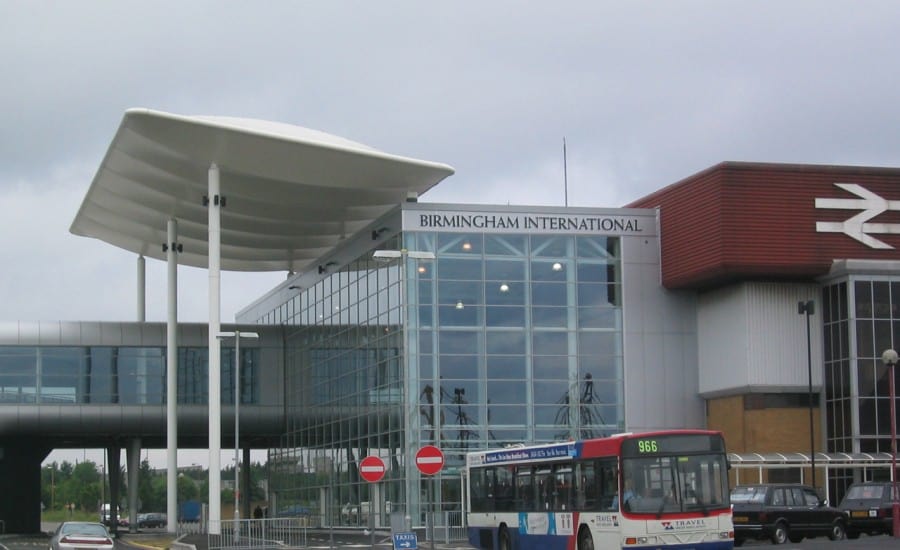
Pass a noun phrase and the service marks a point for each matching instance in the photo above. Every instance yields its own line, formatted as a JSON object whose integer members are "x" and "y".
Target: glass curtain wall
{"x": 501, "y": 339}
{"x": 861, "y": 319}
{"x": 117, "y": 374}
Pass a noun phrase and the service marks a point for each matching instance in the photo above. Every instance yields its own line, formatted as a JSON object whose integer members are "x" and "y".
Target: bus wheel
{"x": 585, "y": 540}
{"x": 503, "y": 540}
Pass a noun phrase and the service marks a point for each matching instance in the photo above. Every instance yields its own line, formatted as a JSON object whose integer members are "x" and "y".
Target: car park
{"x": 81, "y": 535}
{"x": 783, "y": 512}
{"x": 868, "y": 507}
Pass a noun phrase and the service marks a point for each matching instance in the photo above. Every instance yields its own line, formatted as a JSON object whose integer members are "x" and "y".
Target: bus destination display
{"x": 667, "y": 444}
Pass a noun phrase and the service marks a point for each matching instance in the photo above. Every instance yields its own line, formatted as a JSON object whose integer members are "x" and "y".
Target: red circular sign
{"x": 429, "y": 460}
{"x": 371, "y": 469}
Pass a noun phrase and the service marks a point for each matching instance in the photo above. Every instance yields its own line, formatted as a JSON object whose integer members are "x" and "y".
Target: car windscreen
{"x": 94, "y": 529}
{"x": 861, "y": 492}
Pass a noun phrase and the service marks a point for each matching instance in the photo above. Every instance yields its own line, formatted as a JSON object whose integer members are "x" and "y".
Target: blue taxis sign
{"x": 405, "y": 541}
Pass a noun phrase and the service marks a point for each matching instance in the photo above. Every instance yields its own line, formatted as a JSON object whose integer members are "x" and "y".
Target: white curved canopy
{"x": 291, "y": 193}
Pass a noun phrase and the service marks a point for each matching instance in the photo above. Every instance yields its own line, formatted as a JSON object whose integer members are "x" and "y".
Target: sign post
{"x": 372, "y": 470}
{"x": 429, "y": 461}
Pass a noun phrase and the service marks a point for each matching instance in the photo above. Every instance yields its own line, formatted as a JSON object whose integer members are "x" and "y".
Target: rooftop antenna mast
{"x": 565, "y": 173}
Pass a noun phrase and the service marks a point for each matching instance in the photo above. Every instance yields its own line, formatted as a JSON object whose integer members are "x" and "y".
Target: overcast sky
{"x": 645, "y": 94}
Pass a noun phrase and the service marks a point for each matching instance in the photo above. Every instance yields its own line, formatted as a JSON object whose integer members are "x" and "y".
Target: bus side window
{"x": 544, "y": 480}
{"x": 479, "y": 490}
{"x": 504, "y": 492}
{"x": 586, "y": 486}
{"x": 608, "y": 481}
{"x": 562, "y": 475}
{"x": 525, "y": 489}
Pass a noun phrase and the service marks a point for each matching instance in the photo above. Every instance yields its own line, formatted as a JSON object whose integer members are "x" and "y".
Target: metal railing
{"x": 260, "y": 534}
{"x": 449, "y": 526}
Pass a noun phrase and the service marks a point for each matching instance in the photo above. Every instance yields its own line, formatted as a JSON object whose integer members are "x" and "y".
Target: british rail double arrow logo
{"x": 858, "y": 227}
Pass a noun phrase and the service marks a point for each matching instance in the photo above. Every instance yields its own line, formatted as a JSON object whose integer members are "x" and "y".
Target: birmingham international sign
{"x": 531, "y": 222}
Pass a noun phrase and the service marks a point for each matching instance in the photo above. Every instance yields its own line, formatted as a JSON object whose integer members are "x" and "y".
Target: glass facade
{"x": 861, "y": 319}
{"x": 117, "y": 374}
{"x": 499, "y": 339}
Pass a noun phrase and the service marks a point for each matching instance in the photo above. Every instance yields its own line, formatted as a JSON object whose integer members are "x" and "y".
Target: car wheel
{"x": 503, "y": 542}
{"x": 837, "y": 531}
{"x": 585, "y": 540}
{"x": 780, "y": 534}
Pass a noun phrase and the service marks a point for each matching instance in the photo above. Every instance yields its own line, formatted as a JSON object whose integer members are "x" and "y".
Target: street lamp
{"x": 889, "y": 358}
{"x": 237, "y": 335}
{"x": 809, "y": 307}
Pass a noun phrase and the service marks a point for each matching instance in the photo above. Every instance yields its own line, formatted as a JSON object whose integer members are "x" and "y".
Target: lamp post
{"x": 809, "y": 308}
{"x": 237, "y": 335}
{"x": 889, "y": 358}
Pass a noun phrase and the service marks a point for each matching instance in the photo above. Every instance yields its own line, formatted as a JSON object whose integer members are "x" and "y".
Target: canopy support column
{"x": 215, "y": 374}
{"x": 171, "y": 248}
{"x": 133, "y": 458}
{"x": 141, "y": 290}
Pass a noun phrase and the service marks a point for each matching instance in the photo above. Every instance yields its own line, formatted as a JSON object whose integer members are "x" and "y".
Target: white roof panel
{"x": 291, "y": 193}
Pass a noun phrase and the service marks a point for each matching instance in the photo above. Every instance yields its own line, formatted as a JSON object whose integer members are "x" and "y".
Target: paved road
{"x": 321, "y": 540}
{"x": 862, "y": 543}
{"x": 318, "y": 540}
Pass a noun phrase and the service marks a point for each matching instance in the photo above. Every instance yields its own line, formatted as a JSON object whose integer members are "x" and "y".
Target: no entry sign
{"x": 429, "y": 460}
{"x": 371, "y": 469}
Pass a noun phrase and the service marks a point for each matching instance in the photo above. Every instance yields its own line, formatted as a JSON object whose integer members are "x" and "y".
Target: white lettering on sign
{"x": 857, "y": 227}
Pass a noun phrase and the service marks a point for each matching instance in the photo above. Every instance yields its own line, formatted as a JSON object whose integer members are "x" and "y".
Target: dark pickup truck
{"x": 783, "y": 512}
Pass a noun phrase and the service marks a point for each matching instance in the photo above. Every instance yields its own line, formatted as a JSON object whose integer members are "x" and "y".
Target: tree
{"x": 187, "y": 488}
{"x": 82, "y": 487}
{"x": 147, "y": 491}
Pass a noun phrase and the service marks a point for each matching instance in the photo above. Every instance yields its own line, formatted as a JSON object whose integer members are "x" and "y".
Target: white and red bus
{"x": 664, "y": 489}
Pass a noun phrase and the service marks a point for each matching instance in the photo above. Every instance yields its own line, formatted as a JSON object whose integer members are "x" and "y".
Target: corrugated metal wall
{"x": 752, "y": 338}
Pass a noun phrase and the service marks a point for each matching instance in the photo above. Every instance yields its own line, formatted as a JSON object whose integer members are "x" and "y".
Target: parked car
{"x": 81, "y": 535}
{"x": 294, "y": 511}
{"x": 869, "y": 509}
{"x": 783, "y": 512}
{"x": 152, "y": 519}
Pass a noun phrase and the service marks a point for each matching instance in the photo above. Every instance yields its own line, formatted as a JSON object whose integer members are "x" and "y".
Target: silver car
{"x": 81, "y": 535}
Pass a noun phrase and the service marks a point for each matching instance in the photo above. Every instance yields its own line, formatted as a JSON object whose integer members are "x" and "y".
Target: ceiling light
{"x": 422, "y": 269}
{"x": 557, "y": 266}
{"x": 459, "y": 305}
{"x": 467, "y": 246}
{"x": 504, "y": 287}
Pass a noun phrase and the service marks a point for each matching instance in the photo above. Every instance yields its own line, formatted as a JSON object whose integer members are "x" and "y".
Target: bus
{"x": 663, "y": 489}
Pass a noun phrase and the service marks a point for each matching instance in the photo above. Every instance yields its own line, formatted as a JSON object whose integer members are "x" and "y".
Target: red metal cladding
{"x": 748, "y": 221}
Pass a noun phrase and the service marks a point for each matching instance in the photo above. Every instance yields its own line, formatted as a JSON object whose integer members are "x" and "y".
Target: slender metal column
{"x": 141, "y": 290}
{"x": 172, "y": 377}
{"x": 215, "y": 374}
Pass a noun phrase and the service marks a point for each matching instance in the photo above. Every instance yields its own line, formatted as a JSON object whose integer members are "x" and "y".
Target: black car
{"x": 783, "y": 512}
{"x": 868, "y": 508}
{"x": 152, "y": 520}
